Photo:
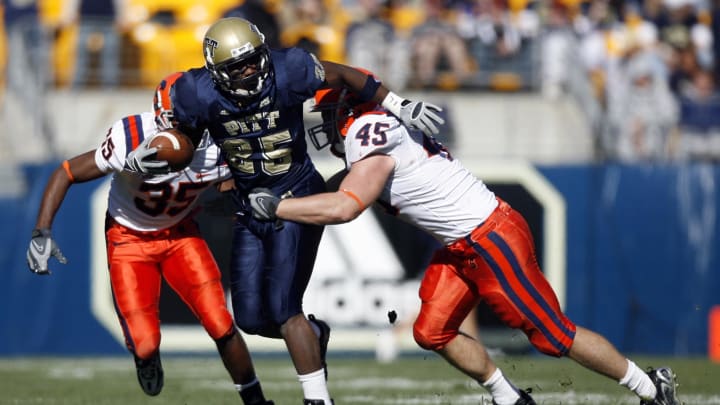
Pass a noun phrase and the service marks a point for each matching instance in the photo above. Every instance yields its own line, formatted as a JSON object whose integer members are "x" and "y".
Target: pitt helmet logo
{"x": 210, "y": 46}
{"x": 255, "y": 29}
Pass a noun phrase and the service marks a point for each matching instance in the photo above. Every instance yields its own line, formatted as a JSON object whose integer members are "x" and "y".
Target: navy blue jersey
{"x": 263, "y": 137}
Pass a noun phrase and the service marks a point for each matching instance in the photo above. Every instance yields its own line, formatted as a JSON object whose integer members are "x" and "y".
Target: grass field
{"x": 415, "y": 379}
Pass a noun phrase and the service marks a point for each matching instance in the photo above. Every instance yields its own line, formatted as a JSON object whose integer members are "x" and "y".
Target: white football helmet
{"x": 162, "y": 102}
{"x": 339, "y": 108}
{"x": 232, "y": 47}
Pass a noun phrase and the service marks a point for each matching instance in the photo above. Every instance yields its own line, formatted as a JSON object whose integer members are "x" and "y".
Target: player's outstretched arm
{"x": 42, "y": 246}
{"x": 360, "y": 188}
{"x": 416, "y": 114}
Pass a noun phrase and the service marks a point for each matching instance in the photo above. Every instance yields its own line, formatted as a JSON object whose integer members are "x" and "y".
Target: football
{"x": 174, "y": 147}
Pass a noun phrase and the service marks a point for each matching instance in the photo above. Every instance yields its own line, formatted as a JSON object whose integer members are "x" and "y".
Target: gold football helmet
{"x": 236, "y": 56}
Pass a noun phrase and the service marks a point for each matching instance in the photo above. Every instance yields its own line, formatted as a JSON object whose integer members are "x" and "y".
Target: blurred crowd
{"x": 644, "y": 72}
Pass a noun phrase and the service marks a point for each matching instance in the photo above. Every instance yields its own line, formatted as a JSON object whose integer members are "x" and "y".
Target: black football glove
{"x": 264, "y": 203}
{"x": 42, "y": 246}
{"x": 141, "y": 160}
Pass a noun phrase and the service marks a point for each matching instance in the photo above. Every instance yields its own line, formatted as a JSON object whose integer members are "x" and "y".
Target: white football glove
{"x": 42, "y": 246}
{"x": 416, "y": 114}
{"x": 264, "y": 203}
{"x": 141, "y": 160}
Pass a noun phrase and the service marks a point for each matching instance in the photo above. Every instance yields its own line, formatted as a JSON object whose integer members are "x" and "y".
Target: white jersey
{"x": 428, "y": 187}
{"x": 151, "y": 203}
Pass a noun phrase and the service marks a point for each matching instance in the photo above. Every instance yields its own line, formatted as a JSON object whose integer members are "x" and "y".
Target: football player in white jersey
{"x": 488, "y": 253}
{"x": 151, "y": 235}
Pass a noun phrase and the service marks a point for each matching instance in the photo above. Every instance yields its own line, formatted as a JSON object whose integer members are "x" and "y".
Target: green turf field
{"x": 409, "y": 380}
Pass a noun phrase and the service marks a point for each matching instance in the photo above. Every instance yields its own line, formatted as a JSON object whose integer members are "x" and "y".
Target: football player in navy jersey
{"x": 250, "y": 99}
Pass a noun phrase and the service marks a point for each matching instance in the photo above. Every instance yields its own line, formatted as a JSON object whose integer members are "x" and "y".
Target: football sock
{"x": 501, "y": 390}
{"x": 251, "y": 393}
{"x": 315, "y": 329}
{"x": 314, "y": 385}
{"x": 639, "y": 382}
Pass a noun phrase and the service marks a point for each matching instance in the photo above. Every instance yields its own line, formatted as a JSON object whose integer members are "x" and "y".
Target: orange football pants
{"x": 496, "y": 264}
{"x": 139, "y": 260}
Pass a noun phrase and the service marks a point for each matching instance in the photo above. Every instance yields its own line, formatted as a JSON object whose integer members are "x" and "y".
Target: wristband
{"x": 40, "y": 232}
{"x": 393, "y": 103}
{"x": 354, "y": 197}
{"x": 66, "y": 166}
{"x": 369, "y": 89}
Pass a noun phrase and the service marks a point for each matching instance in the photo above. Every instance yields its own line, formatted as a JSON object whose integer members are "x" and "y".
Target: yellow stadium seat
{"x": 50, "y": 12}
{"x": 330, "y": 40}
{"x": 505, "y": 81}
{"x": 405, "y": 18}
{"x": 164, "y": 50}
{"x": 188, "y": 11}
{"x": 63, "y": 55}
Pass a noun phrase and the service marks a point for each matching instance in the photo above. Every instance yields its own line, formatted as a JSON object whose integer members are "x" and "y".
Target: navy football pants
{"x": 271, "y": 267}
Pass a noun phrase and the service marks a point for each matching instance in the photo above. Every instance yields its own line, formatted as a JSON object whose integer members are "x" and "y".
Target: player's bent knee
{"x": 250, "y": 329}
{"x": 550, "y": 350}
{"x": 226, "y": 337}
{"x": 429, "y": 340}
{"x": 218, "y": 325}
{"x": 267, "y": 324}
{"x": 250, "y": 326}
{"x": 142, "y": 332}
{"x": 147, "y": 345}
{"x": 556, "y": 346}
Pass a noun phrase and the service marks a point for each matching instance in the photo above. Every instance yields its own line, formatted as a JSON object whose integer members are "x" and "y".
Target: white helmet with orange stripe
{"x": 339, "y": 108}
{"x": 162, "y": 102}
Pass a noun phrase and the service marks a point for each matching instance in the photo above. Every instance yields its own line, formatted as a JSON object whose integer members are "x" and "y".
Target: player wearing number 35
{"x": 250, "y": 98}
{"x": 150, "y": 235}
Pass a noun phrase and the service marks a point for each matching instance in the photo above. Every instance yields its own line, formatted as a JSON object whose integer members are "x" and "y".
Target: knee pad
{"x": 146, "y": 346}
{"x": 144, "y": 342}
{"x": 555, "y": 348}
{"x": 249, "y": 325}
{"x": 222, "y": 340}
{"x": 142, "y": 333}
{"x": 432, "y": 340}
{"x": 207, "y": 300}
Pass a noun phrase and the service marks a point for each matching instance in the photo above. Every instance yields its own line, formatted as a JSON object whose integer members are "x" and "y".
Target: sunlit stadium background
{"x": 536, "y": 108}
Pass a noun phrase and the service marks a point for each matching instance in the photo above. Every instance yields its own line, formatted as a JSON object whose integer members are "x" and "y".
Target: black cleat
{"x": 666, "y": 384}
{"x": 525, "y": 398}
{"x": 324, "y": 338}
{"x": 316, "y": 402}
{"x": 150, "y": 374}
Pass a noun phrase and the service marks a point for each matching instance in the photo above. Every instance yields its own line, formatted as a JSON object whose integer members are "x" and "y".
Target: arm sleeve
{"x": 124, "y": 136}
{"x": 186, "y": 108}
{"x": 110, "y": 155}
{"x": 305, "y": 74}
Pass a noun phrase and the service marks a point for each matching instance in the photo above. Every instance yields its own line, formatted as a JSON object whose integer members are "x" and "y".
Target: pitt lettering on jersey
{"x": 252, "y": 123}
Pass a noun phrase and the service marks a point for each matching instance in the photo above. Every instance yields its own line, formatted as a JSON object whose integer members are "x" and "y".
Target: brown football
{"x": 174, "y": 147}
